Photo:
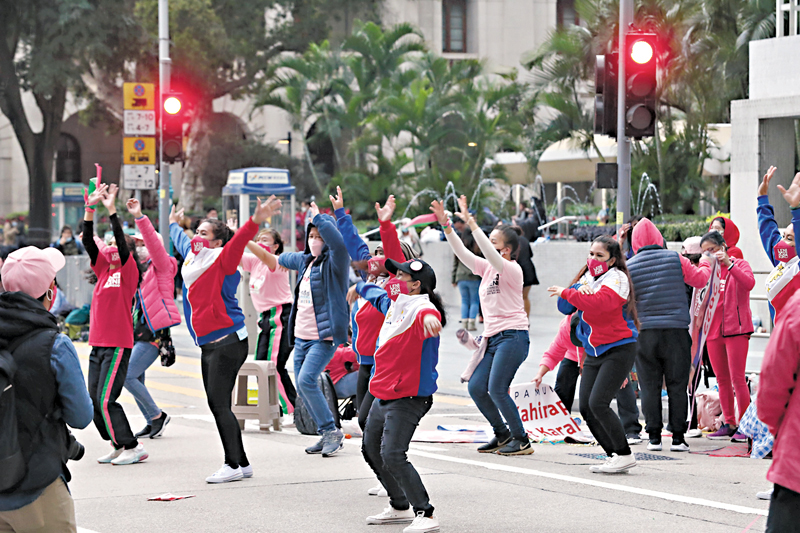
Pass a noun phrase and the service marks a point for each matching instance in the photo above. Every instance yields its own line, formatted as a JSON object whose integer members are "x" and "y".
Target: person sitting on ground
{"x": 50, "y": 393}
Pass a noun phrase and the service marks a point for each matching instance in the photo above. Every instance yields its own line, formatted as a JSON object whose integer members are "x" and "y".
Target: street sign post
{"x": 139, "y": 150}
{"x": 139, "y": 177}
{"x": 139, "y": 96}
{"x": 140, "y": 122}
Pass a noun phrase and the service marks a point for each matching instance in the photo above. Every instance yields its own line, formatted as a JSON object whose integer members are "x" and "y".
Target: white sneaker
{"x": 225, "y": 474}
{"x": 617, "y": 464}
{"x": 378, "y": 491}
{"x": 129, "y": 457}
{"x": 764, "y": 495}
{"x": 679, "y": 447}
{"x": 390, "y": 515}
{"x": 694, "y": 433}
{"x": 598, "y": 468}
{"x": 106, "y": 459}
{"x": 634, "y": 439}
{"x": 423, "y": 524}
{"x": 654, "y": 445}
{"x": 247, "y": 471}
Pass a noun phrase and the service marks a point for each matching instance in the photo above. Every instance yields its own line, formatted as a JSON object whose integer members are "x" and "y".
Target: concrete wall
{"x": 774, "y": 70}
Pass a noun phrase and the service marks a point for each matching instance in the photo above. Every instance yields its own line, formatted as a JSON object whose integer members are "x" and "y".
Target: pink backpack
{"x": 709, "y": 410}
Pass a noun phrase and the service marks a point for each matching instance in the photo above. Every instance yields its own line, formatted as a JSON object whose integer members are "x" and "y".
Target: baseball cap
{"x": 418, "y": 269}
{"x": 31, "y": 270}
{"x": 692, "y": 245}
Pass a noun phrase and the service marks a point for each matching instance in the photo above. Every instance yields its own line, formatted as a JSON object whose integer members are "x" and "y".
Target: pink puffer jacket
{"x": 158, "y": 284}
{"x": 737, "y": 318}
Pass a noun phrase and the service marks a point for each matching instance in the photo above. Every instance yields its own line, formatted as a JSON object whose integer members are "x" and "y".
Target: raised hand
{"x": 266, "y": 210}
{"x": 437, "y": 208}
{"x": 463, "y": 209}
{"x": 134, "y": 208}
{"x": 314, "y": 210}
{"x": 110, "y": 198}
{"x": 763, "y": 187}
{"x": 555, "y": 290}
{"x": 97, "y": 196}
{"x": 792, "y": 194}
{"x": 337, "y": 202}
{"x": 232, "y": 225}
{"x": 722, "y": 256}
{"x": 175, "y": 216}
{"x": 385, "y": 213}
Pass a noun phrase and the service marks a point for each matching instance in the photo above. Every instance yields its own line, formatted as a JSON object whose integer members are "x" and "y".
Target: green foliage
{"x": 678, "y": 232}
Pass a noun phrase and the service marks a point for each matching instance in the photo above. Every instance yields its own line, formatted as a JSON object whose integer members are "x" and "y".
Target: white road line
{"x": 420, "y": 447}
{"x": 84, "y": 530}
{"x": 600, "y": 484}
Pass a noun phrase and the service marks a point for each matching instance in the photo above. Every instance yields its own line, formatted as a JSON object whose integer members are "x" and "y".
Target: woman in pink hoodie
{"x": 154, "y": 311}
{"x": 729, "y": 336}
{"x": 562, "y": 350}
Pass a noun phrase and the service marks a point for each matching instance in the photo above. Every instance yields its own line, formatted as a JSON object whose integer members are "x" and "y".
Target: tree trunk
{"x": 193, "y": 189}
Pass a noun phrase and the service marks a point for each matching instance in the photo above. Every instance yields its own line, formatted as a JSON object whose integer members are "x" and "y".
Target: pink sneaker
{"x": 723, "y": 433}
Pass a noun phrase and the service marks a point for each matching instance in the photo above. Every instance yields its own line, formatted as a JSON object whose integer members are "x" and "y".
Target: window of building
{"x": 68, "y": 159}
{"x": 454, "y": 26}
{"x": 566, "y": 14}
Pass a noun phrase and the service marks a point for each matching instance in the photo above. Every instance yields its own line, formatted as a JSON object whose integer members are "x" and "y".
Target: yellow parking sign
{"x": 139, "y": 96}
{"x": 139, "y": 150}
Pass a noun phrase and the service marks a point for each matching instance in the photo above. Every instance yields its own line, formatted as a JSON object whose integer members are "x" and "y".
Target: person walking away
{"x": 216, "y": 322}
{"x": 778, "y": 401}
{"x": 118, "y": 274}
{"x": 67, "y": 244}
{"x": 529, "y": 278}
{"x": 270, "y": 290}
{"x": 155, "y": 312}
{"x": 403, "y": 385}
{"x": 468, "y": 284}
{"x": 664, "y": 348}
{"x": 505, "y": 331}
{"x": 729, "y": 334}
{"x": 318, "y": 322}
{"x": 40, "y": 367}
{"x": 603, "y": 296}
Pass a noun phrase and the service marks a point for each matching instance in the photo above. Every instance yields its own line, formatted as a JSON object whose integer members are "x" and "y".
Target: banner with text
{"x": 542, "y": 412}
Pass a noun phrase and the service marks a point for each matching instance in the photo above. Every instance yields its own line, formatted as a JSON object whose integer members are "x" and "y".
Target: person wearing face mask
{"x": 270, "y": 290}
{"x": 67, "y": 244}
{"x": 318, "y": 322}
{"x": 118, "y": 275}
{"x": 664, "y": 348}
{"x": 729, "y": 334}
{"x": 730, "y": 232}
{"x": 215, "y": 320}
{"x": 42, "y": 366}
{"x": 602, "y": 294}
{"x": 506, "y": 340}
{"x": 784, "y": 280}
{"x": 403, "y": 384}
{"x": 154, "y": 311}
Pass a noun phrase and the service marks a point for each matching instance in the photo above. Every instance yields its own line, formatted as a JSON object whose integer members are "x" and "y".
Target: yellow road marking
{"x": 455, "y": 400}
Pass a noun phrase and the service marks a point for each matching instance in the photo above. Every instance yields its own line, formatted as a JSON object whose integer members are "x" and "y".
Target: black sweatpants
{"x": 602, "y": 377}
{"x": 566, "y": 380}
{"x": 108, "y": 368}
{"x": 390, "y": 426}
{"x": 220, "y": 363}
{"x": 664, "y": 355}
{"x": 364, "y": 397}
{"x": 784, "y": 511}
{"x": 273, "y": 344}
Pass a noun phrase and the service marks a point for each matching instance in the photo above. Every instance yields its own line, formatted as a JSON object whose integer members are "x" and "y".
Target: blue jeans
{"x": 346, "y": 386}
{"x": 469, "y": 298}
{"x": 310, "y": 360}
{"x": 489, "y": 384}
{"x": 142, "y": 356}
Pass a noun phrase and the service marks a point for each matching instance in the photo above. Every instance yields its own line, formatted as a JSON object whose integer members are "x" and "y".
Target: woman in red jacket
{"x": 729, "y": 336}
{"x": 154, "y": 311}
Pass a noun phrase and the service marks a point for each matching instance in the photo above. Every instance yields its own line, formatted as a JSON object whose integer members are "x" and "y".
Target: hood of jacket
{"x": 645, "y": 233}
{"x": 21, "y": 314}
{"x": 731, "y": 231}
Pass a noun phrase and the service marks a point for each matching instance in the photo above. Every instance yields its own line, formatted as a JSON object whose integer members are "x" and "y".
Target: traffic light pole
{"x": 164, "y": 200}
{"x": 623, "y": 143}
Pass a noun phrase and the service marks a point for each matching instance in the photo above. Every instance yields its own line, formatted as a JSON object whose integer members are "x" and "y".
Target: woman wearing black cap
{"x": 403, "y": 384}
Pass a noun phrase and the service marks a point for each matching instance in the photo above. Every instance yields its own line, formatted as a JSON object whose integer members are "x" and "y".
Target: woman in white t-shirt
{"x": 271, "y": 293}
{"x": 505, "y": 336}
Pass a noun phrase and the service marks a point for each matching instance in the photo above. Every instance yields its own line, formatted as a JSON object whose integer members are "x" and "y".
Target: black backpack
{"x": 303, "y": 420}
{"x": 13, "y": 466}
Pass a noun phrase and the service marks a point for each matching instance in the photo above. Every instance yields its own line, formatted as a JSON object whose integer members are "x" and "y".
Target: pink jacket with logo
{"x": 561, "y": 347}
{"x": 737, "y": 318}
{"x": 778, "y": 400}
{"x": 158, "y": 284}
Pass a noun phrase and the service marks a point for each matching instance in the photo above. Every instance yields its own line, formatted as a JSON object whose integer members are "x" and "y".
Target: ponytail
{"x": 436, "y": 300}
{"x": 221, "y": 230}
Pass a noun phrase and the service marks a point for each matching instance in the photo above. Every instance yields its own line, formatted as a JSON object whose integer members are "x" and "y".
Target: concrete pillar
{"x": 777, "y": 147}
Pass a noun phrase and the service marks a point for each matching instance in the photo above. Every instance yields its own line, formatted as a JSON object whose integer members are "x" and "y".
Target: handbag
{"x": 165, "y": 348}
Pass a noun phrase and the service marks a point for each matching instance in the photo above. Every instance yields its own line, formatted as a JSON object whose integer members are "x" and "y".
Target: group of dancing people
{"x": 623, "y": 307}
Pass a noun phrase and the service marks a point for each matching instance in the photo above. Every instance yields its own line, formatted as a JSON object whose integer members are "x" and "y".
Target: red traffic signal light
{"x": 172, "y": 105}
{"x": 641, "y": 84}
{"x": 173, "y": 118}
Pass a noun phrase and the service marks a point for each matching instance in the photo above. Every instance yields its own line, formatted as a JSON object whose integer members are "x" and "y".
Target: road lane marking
{"x": 592, "y": 483}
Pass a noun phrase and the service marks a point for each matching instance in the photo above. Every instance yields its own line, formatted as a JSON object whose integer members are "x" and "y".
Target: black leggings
{"x": 273, "y": 345}
{"x": 364, "y": 398}
{"x": 220, "y": 363}
{"x": 601, "y": 379}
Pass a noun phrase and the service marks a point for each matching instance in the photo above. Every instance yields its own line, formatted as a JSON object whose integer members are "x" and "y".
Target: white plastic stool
{"x": 267, "y": 411}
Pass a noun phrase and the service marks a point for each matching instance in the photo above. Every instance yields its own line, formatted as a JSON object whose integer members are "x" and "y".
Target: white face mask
{"x": 316, "y": 246}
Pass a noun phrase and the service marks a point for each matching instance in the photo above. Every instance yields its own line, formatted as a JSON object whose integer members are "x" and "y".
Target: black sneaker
{"x": 495, "y": 444}
{"x": 517, "y": 446}
{"x": 159, "y": 424}
{"x": 145, "y": 432}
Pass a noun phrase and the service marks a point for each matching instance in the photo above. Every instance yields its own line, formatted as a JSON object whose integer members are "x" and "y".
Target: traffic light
{"x": 173, "y": 116}
{"x": 605, "y": 100}
{"x": 640, "y": 84}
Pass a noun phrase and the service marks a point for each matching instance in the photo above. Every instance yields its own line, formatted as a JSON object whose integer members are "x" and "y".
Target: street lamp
{"x": 288, "y": 142}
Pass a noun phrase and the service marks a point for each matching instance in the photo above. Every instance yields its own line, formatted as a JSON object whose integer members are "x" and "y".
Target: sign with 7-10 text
{"x": 139, "y": 177}
{"x": 139, "y": 96}
{"x": 139, "y": 122}
{"x": 139, "y": 151}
